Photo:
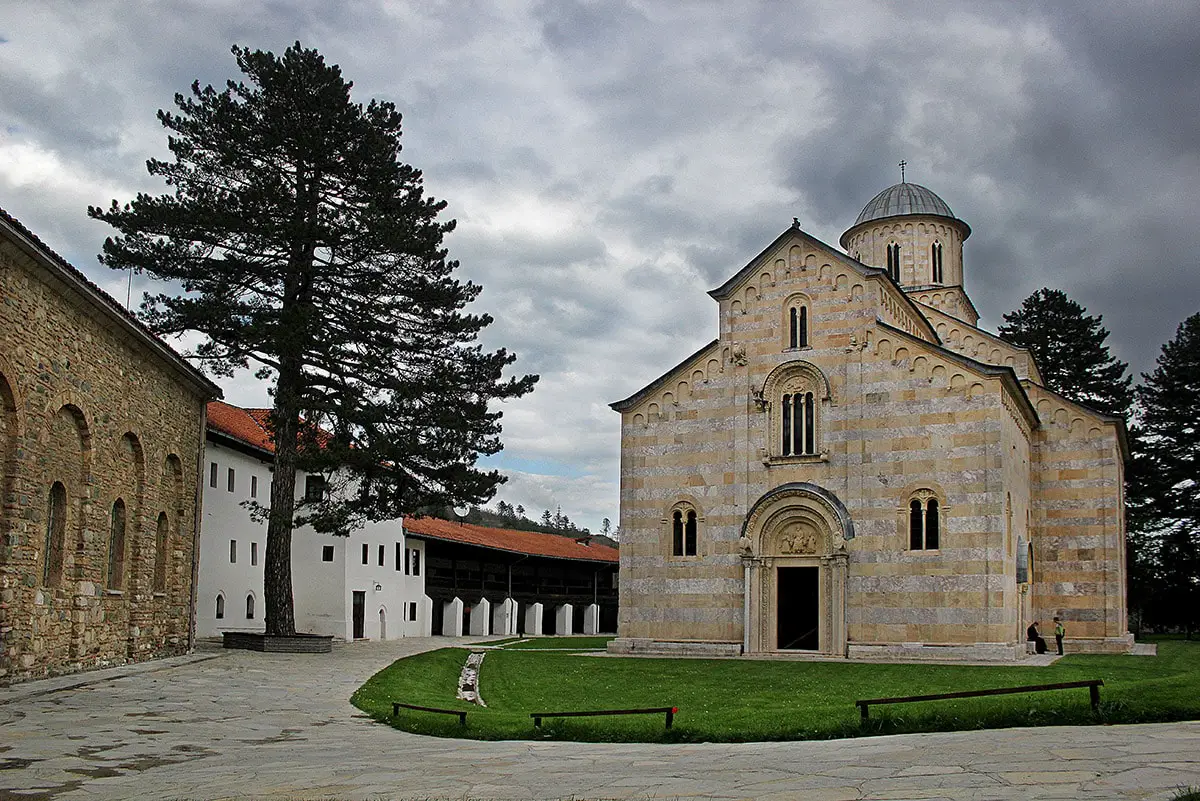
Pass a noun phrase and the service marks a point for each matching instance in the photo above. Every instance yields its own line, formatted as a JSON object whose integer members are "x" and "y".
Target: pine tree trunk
{"x": 277, "y": 571}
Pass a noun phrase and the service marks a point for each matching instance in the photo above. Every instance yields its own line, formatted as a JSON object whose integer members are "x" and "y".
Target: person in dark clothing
{"x": 1059, "y": 633}
{"x": 1035, "y": 637}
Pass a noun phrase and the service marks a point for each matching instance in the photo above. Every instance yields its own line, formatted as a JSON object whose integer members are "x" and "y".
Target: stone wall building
{"x": 854, "y": 468}
{"x": 101, "y": 433}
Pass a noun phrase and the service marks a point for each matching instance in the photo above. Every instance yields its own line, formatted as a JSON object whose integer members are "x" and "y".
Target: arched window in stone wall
{"x": 118, "y": 522}
{"x": 935, "y": 261}
{"x": 67, "y": 459}
{"x": 220, "y": 611}
{"x": 924, "y": 521}
{"x": 893, "y": 261}
{"x": 171, "y": 496}
{"x": 162, "y": 546}
{"x": 8, "y": 451}
{"x": 794, "y": 393}
{"x": 132, "y": 488}
{"x": 56, "y": 535}
{"x": 798, "y": 327}
{"x": 250, "y": 606}
{"x": 684, "y": 530}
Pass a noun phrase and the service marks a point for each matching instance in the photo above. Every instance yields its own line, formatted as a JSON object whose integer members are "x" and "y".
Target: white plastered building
{"x": 369, "y": 585}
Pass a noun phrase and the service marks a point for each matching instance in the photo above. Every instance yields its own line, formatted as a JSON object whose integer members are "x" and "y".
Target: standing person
{"x": 1059, "y": 633}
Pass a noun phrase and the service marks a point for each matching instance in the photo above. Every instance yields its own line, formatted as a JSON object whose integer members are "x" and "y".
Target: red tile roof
{"x": 534, "y": 543}
{"x": 248, "y": 426}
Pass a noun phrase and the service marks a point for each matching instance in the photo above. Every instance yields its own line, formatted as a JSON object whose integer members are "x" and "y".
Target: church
{"x": 853, "y": 468}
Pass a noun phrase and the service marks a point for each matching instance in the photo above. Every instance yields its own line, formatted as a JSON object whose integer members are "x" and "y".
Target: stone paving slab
{"x": 231, "y": 725}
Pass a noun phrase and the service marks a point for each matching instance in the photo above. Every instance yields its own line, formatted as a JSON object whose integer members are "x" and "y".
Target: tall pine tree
{"x": 305, "y": 247}
{"x": 1169, "y": 401}
{"x": 1068, "y": 344}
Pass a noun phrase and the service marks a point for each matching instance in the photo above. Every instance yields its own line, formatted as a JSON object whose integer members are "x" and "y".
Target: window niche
{"x": 116, "y": 546}
{"x": 796, "y": 323}
{"x": 924, "y": 515}
{"x": 795, "y": 396}
{"x": 935, "y": 261}
{"x": 683, "y": 524}
{"x": 56, "y": 534}
{"x": 893, "y": 261}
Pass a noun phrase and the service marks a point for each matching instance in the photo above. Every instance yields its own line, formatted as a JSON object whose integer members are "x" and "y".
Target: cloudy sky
{"x": 610, "y": 162}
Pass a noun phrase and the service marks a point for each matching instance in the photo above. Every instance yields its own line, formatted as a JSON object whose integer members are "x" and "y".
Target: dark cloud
{"x": 610, "y": 162}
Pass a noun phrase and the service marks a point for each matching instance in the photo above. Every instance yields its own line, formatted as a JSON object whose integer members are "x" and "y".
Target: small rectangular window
{"x": 314, "y": 488}
{"x": 408, "y": 561}
{"x": 230, "y": 482}
{"x": 326, "y": 553}
{"x": 233, "y": 552}
{"x": 412, "y": 610}
{"x": 382, "y": 554}
{"x": 212, "y": 475}
{"x": 366, "y": 550}
{"x": 254, "y": 553}
{"x": 416, "y": 562}
{"x": 399, "y": 556}
{"x": 253, "y": 486}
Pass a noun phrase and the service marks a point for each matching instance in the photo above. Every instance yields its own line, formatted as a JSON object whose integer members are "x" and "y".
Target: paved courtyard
{"x": 225, "y": 725}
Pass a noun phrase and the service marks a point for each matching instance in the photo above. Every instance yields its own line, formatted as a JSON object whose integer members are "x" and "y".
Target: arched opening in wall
{"x": 893, "y": 261}
{"x": 172, "y": 484}
{"x": 935, "y": 261}
{"x": 799, "y": 424}
{"x": 924, "y": 521}
{"x": 220, "y": 611}
{"x": 56, "y": 535}
{"x": 250, "y": 606}
{"x": 382, "y": 624}
{"x": 685, "y": 530}
{"x": 162, "y": 544}
{"x": 133, "y": 488}
{"x": 8, "y": 453}
{"x": 794, "y": 392}
{"x": 118, "y": 522}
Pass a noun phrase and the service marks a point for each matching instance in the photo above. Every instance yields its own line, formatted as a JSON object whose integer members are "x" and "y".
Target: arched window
{"x": 56, "y": 534}
{"x": 924, "y": 523}
{"x": 161, "y": 552}
{"x": 684, "y": 531}
{"x": 893, "y": 261}
{"x": 116, "y": 546}
{"x": 1030, "y": 573}
{"x": 799, "y": 424}
{"x": 935, "y": 260}
{"x": 220, "y": 607}
{"x": 250, "y": 607}
{"x": 798, "y": 327}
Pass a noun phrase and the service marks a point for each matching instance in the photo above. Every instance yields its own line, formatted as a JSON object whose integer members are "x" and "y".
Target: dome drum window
{"x": 893, "y": 261}
{"x": 935, "y": 261}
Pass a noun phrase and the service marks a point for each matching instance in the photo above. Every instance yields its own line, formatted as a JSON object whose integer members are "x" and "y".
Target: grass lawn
{"x": 748, "y": 700}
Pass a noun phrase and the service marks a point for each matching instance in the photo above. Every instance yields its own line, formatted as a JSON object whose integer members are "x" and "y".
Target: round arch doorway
{"x": 795, "y": 560}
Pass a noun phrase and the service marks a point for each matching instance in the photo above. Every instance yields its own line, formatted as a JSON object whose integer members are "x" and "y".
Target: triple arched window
{"x": 799, "y": 424}
{"x": 924, "y": 522}
{"x": 684, "y": 525}
{"x": 935, "y": 261}
{"x": 893, "y": 261}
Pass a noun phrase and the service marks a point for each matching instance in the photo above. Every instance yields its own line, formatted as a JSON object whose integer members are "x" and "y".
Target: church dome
{"x": 901, "y": 199}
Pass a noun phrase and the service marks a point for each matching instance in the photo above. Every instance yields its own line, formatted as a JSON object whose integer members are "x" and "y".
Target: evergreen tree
{"x": 1169, "y": 400}
{"x": 547, "y": 520}
{"x": 1068, "y": 344}
{"x": 520, "y": 512}
{"x": 605, "y": 526}
{"x": 304, "y": 246}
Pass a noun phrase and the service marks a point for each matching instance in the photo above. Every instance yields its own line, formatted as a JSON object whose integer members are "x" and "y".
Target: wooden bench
{"x": 1093, "y": 688}
{"x": 462, "y": 715}
{"x": 669, "y": 711}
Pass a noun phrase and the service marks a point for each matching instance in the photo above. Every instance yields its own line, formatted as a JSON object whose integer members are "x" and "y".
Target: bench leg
{"x": 1094, "y": 691}
{"x": 462, "y": 718}
{"x": 863, "y": 709}
{"x": 537, "y": 723}
{"x": 395, "y": 710}
{"x": 670, "y": 718}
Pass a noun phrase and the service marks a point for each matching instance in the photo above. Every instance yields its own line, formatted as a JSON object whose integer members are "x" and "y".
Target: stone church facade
{"x": 854, "y": 468}
{"x": 101, "y": 433}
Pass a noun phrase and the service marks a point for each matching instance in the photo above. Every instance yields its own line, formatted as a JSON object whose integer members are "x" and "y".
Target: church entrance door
{"x": 798, "y": 615}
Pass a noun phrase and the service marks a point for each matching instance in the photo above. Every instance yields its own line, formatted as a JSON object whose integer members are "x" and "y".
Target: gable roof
{"x": 635, "y": 398}
{"x": 245, "y": 426}
{"x": 41, "y": 253}
{"x": 532, "y": 543}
